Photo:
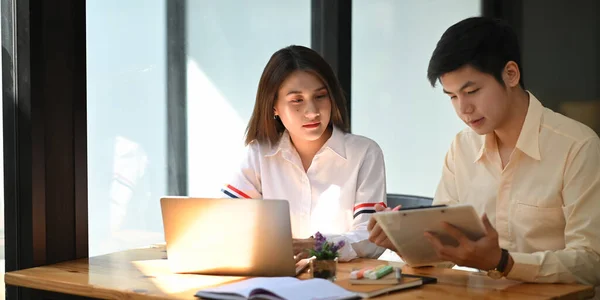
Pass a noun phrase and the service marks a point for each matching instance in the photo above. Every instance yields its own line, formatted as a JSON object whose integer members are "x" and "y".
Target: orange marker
{"x": 359, "y": 273}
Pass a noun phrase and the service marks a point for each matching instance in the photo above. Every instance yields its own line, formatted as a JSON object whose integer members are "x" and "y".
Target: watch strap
{"x": 503, "y": 261}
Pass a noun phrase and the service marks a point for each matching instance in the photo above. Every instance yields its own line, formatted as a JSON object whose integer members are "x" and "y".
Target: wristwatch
{"x": 498, "y": 272}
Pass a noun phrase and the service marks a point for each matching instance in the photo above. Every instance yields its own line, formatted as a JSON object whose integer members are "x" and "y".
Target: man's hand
{"x": 483, "y": 254}
{"x": 376, "y": 234}
{"x": 300, "y": 247}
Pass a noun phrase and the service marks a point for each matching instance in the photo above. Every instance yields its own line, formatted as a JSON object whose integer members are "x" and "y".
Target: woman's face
{"x": 304, "y": 106}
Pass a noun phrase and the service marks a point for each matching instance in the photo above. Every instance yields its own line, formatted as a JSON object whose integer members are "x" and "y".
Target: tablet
{"x": 405, "y": 229}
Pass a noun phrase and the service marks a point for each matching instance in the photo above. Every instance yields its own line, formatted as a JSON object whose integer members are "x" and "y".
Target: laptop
{"x": 249, "y": 237}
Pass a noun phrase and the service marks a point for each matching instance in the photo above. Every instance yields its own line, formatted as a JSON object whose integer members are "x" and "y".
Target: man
{"x": 533, "y": 174}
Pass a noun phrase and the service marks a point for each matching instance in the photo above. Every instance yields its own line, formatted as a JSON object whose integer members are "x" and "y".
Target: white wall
{"x": 126, "y": 98}
{"x": 392, "y": 101}
{"x": 229, "y": 44}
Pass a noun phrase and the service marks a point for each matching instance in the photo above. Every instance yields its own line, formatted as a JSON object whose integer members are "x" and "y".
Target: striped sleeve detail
{"x": 233, "y": 192}
{"x": 124, "y": 181}
{"x": 365, "y": 208}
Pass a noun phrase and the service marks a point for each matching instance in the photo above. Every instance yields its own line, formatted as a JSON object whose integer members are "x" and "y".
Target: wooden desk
{"x": 144, "y": 274}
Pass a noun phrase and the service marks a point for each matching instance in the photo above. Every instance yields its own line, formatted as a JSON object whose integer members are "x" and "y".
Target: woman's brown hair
{"x": 262, "y": 125}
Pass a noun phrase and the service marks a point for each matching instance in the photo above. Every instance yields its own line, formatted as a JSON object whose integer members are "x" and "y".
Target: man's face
{"x": 478, "y": 98}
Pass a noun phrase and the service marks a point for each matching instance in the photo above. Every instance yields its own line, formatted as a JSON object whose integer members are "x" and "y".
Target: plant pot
{"x": 325, "y": 269}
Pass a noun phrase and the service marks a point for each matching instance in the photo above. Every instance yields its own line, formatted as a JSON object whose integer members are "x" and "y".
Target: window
{"x": 126, "y": 92}
{"x": 392, "y": 101}
{"x": 227, "y": 45}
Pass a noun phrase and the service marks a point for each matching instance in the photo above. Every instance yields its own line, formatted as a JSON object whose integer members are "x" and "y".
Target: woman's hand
{"x": 300, "y": 247}
{"x": 376, "y": 234}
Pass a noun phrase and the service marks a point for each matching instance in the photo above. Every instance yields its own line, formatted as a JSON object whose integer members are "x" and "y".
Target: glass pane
{"x": 126, "y": 104}
{"x": 392, "y": 42}
{"x": 228, "y": 44}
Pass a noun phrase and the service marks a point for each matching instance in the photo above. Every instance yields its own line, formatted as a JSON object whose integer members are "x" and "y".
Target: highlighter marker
{"x": 368, "y": 273}
{"x": 380, "y": 273}
{"x": 358, "y": 274}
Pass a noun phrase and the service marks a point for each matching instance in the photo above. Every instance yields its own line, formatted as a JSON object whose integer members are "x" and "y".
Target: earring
{"x": 275, "y": 117}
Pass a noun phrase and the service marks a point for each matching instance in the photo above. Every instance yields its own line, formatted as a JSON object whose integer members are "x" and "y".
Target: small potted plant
{"x": 324, "y": 263}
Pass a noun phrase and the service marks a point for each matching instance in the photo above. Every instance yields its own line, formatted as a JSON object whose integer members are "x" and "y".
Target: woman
{"x": 299, "y": 149}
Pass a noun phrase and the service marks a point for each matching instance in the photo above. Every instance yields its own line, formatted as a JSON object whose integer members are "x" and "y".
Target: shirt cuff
{"x": 525, "y": 267}
{"x": 347, "y": 252}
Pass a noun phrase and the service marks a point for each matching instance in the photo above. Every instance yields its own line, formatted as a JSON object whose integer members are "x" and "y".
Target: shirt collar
{"x": 489, "y": 143}
{"x": 335, "y": 143}
{"x": 528, "y": 141}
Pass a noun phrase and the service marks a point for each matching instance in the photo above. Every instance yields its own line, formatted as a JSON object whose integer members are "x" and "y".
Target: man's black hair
{"x": 485, "y": 44}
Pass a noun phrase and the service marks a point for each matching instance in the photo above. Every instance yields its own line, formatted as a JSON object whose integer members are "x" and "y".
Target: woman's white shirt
{"x": 335, "y": 196}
